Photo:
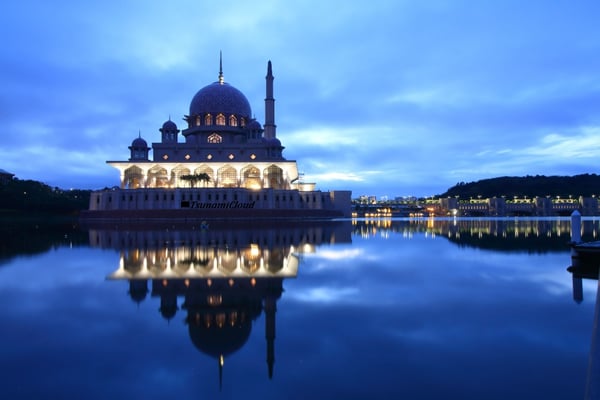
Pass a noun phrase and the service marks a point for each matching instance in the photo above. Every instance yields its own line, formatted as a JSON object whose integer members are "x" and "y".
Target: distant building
{"x": 5, "y": 177}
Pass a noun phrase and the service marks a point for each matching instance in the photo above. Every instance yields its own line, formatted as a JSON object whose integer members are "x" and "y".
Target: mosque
{"x": 223, "y": 164}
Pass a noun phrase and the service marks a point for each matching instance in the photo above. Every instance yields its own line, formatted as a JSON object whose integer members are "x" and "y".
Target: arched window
{"x": 205, "y": 171}
{"x": 274, "y": 177}
{"x": 232, "y": 120}
{"x": 251, "y": 177}
{"x": 158, "y": 177}
{"x": 197, "y": 120}
{"x": 177, "y": 173}
{"x": 208, "y": 119}
{"x": 134, "y": 178}
{"x": 227, "y": 176}
{"x": 243, "y": 121}
{"x": 220, "y": 119}
{"x": 215, "y": 138}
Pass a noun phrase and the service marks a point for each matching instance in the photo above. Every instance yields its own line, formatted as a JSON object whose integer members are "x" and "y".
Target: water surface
{"x": 419, "y": 309}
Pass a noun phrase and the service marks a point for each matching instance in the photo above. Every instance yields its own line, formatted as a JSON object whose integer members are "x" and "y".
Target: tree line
{"x": 34, "y": 196}
{"x": 585, "y": 185}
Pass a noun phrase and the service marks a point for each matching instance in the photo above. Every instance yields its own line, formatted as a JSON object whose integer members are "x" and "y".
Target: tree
{"x": 194, "y": 178}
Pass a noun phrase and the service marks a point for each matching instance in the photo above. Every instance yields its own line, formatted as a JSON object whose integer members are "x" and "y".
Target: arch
{"x": 158, "y": 177}
{"x": 227, "y": 176}
{"x": 276, "y": 260}
{"x": 215, "y": 138}
{"x": 273, "y": 176}
{"x": 228, "y": 260}
{"x": 133, "y": 177}
{"x": 205, "y": 169}
{"x": 250, "y": 176}
{"x": 208, "y": 119}
{"x": 250, "y": 258}
{"x": 233, "y": 120}
{"x": 202, "y": 258}
{"x": 176, "y": 175}
{"x": 220, "y": 119}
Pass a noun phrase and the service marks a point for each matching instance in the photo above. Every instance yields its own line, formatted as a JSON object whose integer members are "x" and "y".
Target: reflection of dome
{"x": 168, "y": 307}
{"x": 220, "y": 98}
{"x": 216, "y": 341}
{"x": 138, "y": 289}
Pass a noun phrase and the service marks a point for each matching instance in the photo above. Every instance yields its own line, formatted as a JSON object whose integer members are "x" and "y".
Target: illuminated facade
{"x": 223, "y": 159}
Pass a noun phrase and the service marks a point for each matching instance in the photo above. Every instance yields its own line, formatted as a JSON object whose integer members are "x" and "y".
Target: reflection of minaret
{"x": 592, "y": 389}
{"x": 270, "y": 106}
{"x": 270, "y": 307}
{"x": 577, "y": 288}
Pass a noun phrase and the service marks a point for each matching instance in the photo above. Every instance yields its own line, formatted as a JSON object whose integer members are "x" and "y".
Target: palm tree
{"x": 193, "y": 178}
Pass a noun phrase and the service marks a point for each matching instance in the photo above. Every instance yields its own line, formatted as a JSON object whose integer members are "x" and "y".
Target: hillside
{"x": 530, "y": 186}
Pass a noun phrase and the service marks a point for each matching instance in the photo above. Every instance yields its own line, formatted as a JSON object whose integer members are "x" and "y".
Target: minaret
{"x": 270, "y": 106}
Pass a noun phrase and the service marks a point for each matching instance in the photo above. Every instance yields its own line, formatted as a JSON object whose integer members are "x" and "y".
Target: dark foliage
{"x": 530, "y": 186}
{"x": 33, "y": 196}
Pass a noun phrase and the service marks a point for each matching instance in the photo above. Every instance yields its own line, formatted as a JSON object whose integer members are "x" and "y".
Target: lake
{"x": 381, "y": 309}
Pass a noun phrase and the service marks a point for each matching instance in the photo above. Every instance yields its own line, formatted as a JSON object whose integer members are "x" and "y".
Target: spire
{"x": 140, "y": 133}
{"x": 269, "y": 126}
{"x": 221, "y": 79}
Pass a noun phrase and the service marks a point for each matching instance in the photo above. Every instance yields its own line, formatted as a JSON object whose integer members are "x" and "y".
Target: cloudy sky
{"x": 388, "y": 98}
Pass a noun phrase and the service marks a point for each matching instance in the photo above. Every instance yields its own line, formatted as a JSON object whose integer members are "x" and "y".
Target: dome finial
{"x": 140, "y": 133}
{"x": 221, "y": 79}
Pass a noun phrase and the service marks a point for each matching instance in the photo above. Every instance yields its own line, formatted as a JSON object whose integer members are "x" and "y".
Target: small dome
{"x": 139, "y": 143}
{"x": 254, "y": 125}
{"x": 220, "y": 98}
{"x": 169, "y": 126}
{"x": 275, "y": 142}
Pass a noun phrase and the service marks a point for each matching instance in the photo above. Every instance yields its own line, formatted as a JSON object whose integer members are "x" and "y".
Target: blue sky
{"x": 388, "y": 98}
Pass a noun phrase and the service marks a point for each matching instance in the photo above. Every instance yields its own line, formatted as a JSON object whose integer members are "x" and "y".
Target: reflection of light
{"x": 221, "y": 360}
{"x": 254, "y": 250}
{"x": 338, "y": 255}
{"x": 308, "y": 248}
{"x": 326, "y": 294}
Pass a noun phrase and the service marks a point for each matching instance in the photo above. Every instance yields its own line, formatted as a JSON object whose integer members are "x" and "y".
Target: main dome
{"x": 220, "y": 97}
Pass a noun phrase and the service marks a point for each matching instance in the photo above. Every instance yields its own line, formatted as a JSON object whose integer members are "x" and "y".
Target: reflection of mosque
{"x": 225, "y": 278}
